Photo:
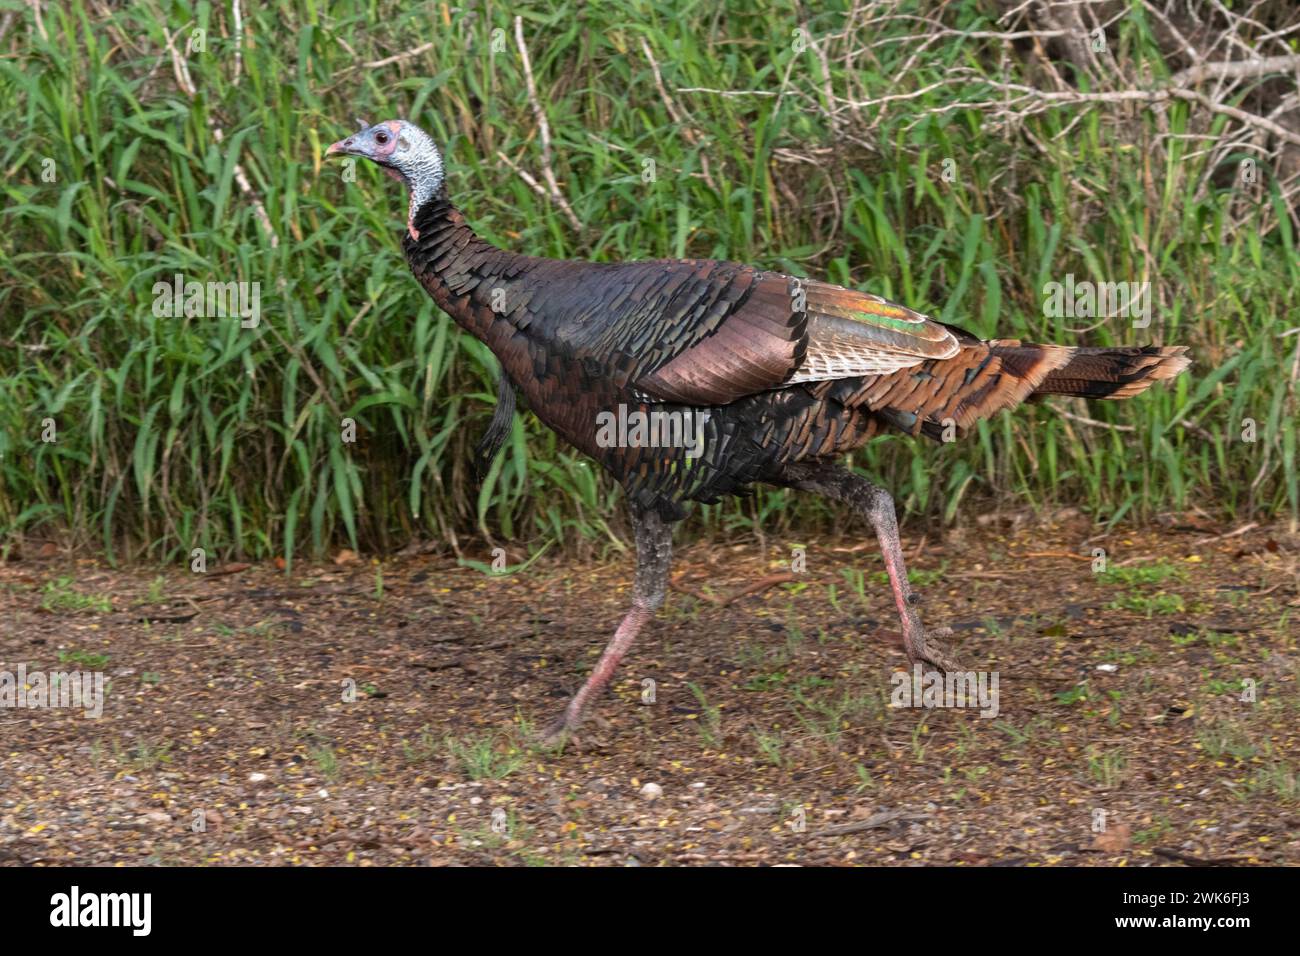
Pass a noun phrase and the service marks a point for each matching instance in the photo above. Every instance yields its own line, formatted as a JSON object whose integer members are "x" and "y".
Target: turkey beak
{"x": 341, "y": 148}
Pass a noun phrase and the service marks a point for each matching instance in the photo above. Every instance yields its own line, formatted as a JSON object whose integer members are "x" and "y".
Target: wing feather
{"x": 708, "y": 333}
{"x": 852, "y": 334}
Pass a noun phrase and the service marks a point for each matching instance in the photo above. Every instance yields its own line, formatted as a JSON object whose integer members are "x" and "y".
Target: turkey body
{"x": 756, "y": 371}
{"x": 741, "y": 375}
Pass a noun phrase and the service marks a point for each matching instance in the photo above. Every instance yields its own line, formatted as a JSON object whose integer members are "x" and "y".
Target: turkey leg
{"x": 877, "y": 506}
{"x": 654, "y": 550}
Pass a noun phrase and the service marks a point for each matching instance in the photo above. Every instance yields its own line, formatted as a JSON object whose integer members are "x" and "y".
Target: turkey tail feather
{"x": 987, "y": 377}
{"x": 1114, "y": 372}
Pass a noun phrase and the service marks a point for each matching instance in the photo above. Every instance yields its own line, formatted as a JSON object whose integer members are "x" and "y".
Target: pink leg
{"x": 653, "y": 557}
{"x": 604, "y": 670}
{"x": 878, "y": 506}
{"x": 915, "y": 637}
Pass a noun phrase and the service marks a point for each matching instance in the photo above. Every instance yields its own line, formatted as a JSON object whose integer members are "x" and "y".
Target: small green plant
{"x": 1217, "y": 686}
{"x": 325, "y": 759}
{"x": 771, "y": 746}
{"x": 1107, "y": 767}
{"x": 794, "y": 635}
{"x": 812, "y": 682}
{"x": 1019, "y": 736}
{"x": 826, "y": 716}
{"x": 1073, "y": 695}
{"x": 86, "y": 659}
{"x": 765, "y": 681}
{"x": 97, "y": 755}
{"x": 148, "y": 754}
{"x": 965, "y": 738}
{"x": 60, "y": 595}
{"x": 917, "y": 577}
{"x": 507, "y": 831}
{"x": 1161, "y": 603}
{"x": 709, "y": 724}
{"x": 1142, "y": 575}
{"x": 1113, "y": 715}
{"x": 1279, "y": 779}
{"x": 262, "y": 629}
{"x": 1153, "y": 833}
{"x": 485, "y": 757}
{"x": 919, "y": 744}
{"x": 422, "y": 750}
{"x": 856, "y": 580}
{"x": 1215, "y": 639}
{"x": 833, "y": 597}
{"x": 1226, "y": 738}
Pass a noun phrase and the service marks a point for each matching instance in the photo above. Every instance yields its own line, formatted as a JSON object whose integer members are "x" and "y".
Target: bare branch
{"x": 181, "y": 71}
{"x": 398, "y": 57}
{"x": 544, "y": 132}
{"x": 238, "y": 19}
{"x": 1236, "y": 69}
{"x": 688, "y": 130}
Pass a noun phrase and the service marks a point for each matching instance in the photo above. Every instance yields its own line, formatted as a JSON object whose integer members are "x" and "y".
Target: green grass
{"x": 485, "y": 756}
{"x": 1019, "y": 736}
{"x": 87, "y": 659}
{"x": 147, "y": 755}
{"x": 61, "y": 595}
{"x": 771, "y": 747}
{"x": 917, "y": 577}
{"x": 326, "y": 761}
{"x": 1279, "y": 780}
{"x": 176, "y": 433}
{"x": 709, "y": 724}
{"x": 1108, "y": 767}
{"x": 1160, "y": 603}
{"x": 1153, "y": 572}
{"x": 1226, "y": 739}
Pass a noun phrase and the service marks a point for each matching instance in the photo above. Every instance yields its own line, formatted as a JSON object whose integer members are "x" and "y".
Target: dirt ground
{"x": 1126, "y": 732}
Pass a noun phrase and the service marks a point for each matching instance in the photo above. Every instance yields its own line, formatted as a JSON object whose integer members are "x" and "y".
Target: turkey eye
{"x": 381, "y": 138}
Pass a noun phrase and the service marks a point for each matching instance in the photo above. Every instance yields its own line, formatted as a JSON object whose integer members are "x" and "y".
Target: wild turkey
{"x": 780, "y": 376}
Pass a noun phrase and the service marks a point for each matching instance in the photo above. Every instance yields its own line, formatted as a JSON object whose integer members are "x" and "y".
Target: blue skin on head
{"x": 376, "y": 144}
{"x": 404, "y": 152}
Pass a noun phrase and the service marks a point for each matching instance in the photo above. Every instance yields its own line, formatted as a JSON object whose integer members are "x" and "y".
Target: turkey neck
{"x": 511, "y": 303}
{"x": 472, "y": 280}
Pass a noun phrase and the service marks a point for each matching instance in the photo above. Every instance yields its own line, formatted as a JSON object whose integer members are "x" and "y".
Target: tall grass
{"x": 174, "y": 433}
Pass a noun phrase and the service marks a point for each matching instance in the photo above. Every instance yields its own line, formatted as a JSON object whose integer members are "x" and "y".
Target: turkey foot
{"x": 557, "y": 734}
{"x": 564, "y": 729}
{"x": 922, "y": 648}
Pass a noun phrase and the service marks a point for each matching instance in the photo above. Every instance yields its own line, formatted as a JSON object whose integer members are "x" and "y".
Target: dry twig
{"x": 544, "y": 135}
{"x": 181, "y": 71}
